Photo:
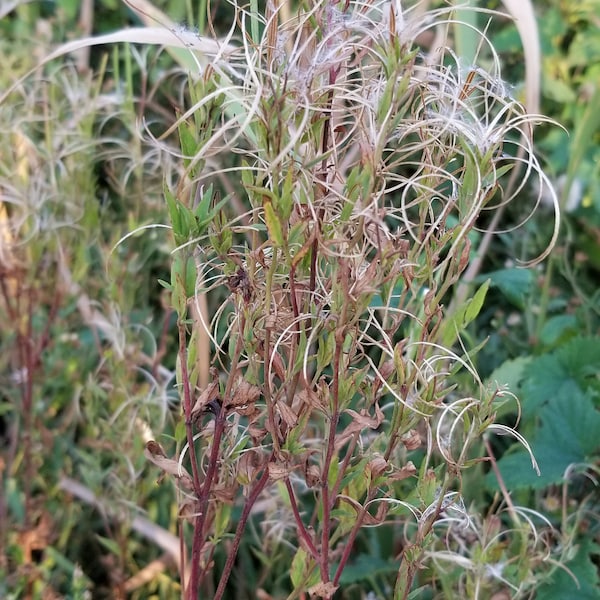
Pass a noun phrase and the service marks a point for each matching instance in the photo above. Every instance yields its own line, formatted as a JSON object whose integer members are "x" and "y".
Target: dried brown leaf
{"x": 156, "y": 455}
{"x": 408, "y": 470}
{"x": 359, "y": 422}
{"x": 313, "y": 476}
{"x": 464, "y": 256}
{"x": 278, "y": 366}
{"x": 363, "y": 420}
{"x": 387, "y": 369}
{"x": 411, "y": 440}
{"x": 257, "y": 433}
{"x": 210, "y": 393}
{"x": 376, "y": 466}
{"x": 244, "y": 395}
{"x": 188, "y": 510}
{"x": 290, "y": 418}
{"x": 322, "y": 590}
{"x": 310, "y": 398}
{"x": 278, "y": 471}
{"x": 224, "y": 494}
{"x": 251, "y": 411}
{"x": 247, "y": 467}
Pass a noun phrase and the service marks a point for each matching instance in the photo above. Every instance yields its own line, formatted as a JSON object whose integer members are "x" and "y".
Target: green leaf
{"x": 174, "y": 214}
{"x": 202, "y": 211}
{"x": 515, "y": 284}
{"x": 180, "y": 432}
{"x": 510, "y": 373}
{"x": 300, "y": 575}
{"x": 365, "y": 567}
{"x": 585, "y": 130}
{"x": 221, "y": 519}
{"x": 557, "y": 328}
{"x": 569, "y": 434}
{"x": 273, "y": 224}
{"x": 188, "y": 143}
{"x": 325, "y": 349}
{"x": 421, "y": 593}
{"x": 182, "y": 218}
{"x": 111, "y": 545}
{"x": 570, "y": 369}
{"x": 286, "y": 201}
{"x": 464, "y": 315}
{"x": 297, "y": 568}
{"x": 585, "y": 571}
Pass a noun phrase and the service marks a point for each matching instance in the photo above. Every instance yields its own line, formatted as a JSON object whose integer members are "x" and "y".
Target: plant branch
{"x": 256, "y": 491}
{"x": 327, "y": 501}
{"x": 304, "y": 535}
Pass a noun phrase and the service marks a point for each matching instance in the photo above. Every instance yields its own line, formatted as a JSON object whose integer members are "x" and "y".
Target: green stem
{"x": 544, "y": 298}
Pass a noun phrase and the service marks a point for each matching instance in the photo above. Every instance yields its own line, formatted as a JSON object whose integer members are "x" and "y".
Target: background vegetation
{"x": 90, "y": 337}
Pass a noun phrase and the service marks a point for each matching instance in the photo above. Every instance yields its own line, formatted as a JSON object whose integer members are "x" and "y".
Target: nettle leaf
{"x": 515, "y": 284}
{"x": 557, "y": 328}
{"x": 582, "y": 568}
{"x": 569, "y": 434}
{"x": 572, "y": 368}
{"x": 365, "y": 568}
{"x": 510, "y": 373}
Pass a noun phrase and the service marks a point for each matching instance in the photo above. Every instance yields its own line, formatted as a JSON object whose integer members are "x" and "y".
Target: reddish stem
{"x": 327, "y": 501}
{"x": 203, "y": 492}
{"x": 187, "y": 411}
{"x": 349, "y": 543}
{"x": 304, "y": 535}
{"x": 258, "y": 488}
{"x": 203, "y": 497}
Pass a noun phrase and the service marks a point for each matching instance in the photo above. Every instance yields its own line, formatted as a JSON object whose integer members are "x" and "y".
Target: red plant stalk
{"x": 304, "y": 535}
{"x": 203, "y": 497}
{"x": 327, "y": 501}
{"x": 349, "y": 543}
{"x": 252, "y": 498}
{"x": 203, "y": 491}
{"x": 192, "y": 592}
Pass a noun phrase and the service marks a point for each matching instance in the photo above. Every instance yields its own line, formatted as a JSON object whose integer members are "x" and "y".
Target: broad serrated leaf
{"x": 365, "y": 567}
{"x": 569, "y": 434}
{"x": 510, "y": 373}
{"x": 570, "y": 369}
{"x": 585, "y": 571}
{"x": 557, "y": 328}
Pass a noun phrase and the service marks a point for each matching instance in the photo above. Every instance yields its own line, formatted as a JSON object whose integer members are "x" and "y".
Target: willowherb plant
{"x": 332, "y": 401}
